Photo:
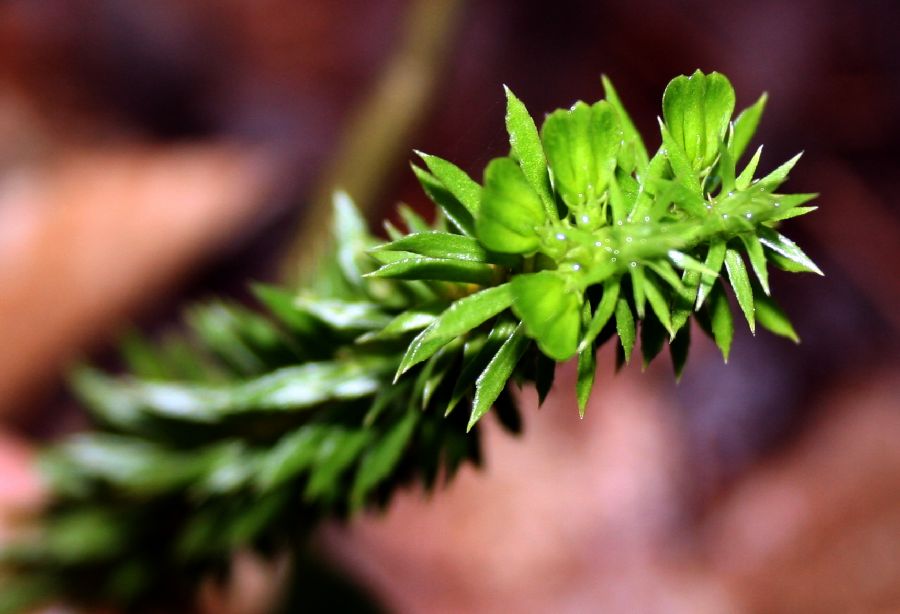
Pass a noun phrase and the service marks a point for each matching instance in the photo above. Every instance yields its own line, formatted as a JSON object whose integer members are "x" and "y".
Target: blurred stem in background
{"x": 378, "y": 131}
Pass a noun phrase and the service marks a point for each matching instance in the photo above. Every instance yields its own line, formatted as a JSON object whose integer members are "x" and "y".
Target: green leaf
{"x": 721, "y": 321}
{"x": 678, "y": 349}
{"x": 292, "y": 455}
{"x": 659, "y": 304}
{"x": 445, "y": 245}
{"x": 414, "y": 222}
{"x": 740, "y": 282}
{"x": 477, "y": 357}
{"x": 545, "y": 371}
{"x": 123, "y": 403}
{"x": 511, "y": 212}
{"x": 744, "y": 179}
{"x": 406, "y": 322}
{"x": 637, "y": 289}
{"x": 527, "y": 149}
{"x": 715, "y": 257}
{"x": 774, "y": 179}
{"x": 653, "y": 337}
{"x": 697, "y": 110}
{"x": 550, "y": 312}
{"x": 461, "y": 317}
{"x": 757, "y": 258}
{"x": 681, "y": 164}
{"x": 782, "y": 246}
{"x": 493, "y": 379}
{"x": 772, "y": 318}
{"x": 632, "y": 136}
{"x": 439, "y": 269}
{"x": 587, "y": 367}
{"x": 382, "y": 458}
{"x": 625, "y": 327}
{"x": 343, "y": 315}
{"x": 455, "y": 211}
{"x": 745, "y": 127}
{"x": 604, "y": 312}
{"x": 582, "y": 145}
{"x": 335, "y": 455}
{"x": 457, "y": 182}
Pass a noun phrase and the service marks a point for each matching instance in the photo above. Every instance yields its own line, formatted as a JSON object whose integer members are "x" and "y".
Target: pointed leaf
{"x": 625, "y": 327}
{"x": 461, "y": 317}
{"x": 632, "y": 136}
{"x": 715, "y": 257}
{"x": 493, "y": 379}
{"x": 678, "y": 349}
{"x": 783, "y": 246}
{"x": 757, "y": 258}
{"x": 457, "y": 182}
{"x": 773, "y": 319}
{"x": 604, "y": 312}
{"x": 740, "y": 282}
{"x": 587, "y": 367}
{"x": 477, "y": 358}
{"x": 745, "y": 127}
{"x": 721, "y": 321}
{"x": 455, "y": 211}
{"x": 527, "y": 149}
{"x": 438, "y": 269}
{"x": 746, "y": 177}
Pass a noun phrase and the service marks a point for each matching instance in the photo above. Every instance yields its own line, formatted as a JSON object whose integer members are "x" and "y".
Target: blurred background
{"x": 157, "y": 152}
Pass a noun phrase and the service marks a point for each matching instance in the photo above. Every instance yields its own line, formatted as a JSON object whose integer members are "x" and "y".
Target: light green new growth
{"x": 256, "y": 427}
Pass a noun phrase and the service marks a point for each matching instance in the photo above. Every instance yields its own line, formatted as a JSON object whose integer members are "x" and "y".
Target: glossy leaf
{"x": 461, "y": 317}
{"x": 587, "y": 366}
{"x": 715, "y": 258}
{"x": 757, "y": 258}
{"x": 602, "y": 315}
{"x": 527, "y": 149}
{"x": 697, "y": 110}
{"x": 740, "y": 282}
{"x": 493, "y": 379}
{"x": 745, "y": 127}
{"x": 625, "y": 327}
{"x": 783, "y": 246}
{"x": 451, "y": 206}
{"x": 632, "y": 136}
{"x": 772, "y": 318}
{"x": 581, "y": 146}
{"x": 511, "y": 212}
{"x": 721, "y": 321}
{"x": 550, "y": 312}
{"x": 441, "y": 269}
{"x": 457, "y": 182}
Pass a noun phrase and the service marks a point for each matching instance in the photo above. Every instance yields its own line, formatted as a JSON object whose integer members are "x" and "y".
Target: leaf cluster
{"x": 255, "y": 426}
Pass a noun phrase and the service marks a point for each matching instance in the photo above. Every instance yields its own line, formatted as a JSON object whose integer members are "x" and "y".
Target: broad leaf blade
{"x": 511, "y": 212}
{"x": 550, "y": 312}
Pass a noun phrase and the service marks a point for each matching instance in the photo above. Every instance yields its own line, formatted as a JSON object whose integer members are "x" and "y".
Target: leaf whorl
{"x": 254, "y": 427}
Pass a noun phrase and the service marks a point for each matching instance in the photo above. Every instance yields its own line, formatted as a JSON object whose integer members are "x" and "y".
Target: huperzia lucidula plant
{"x": 252, "y": 428}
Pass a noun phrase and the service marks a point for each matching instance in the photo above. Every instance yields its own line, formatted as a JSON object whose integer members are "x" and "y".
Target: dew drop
{"x": 628, "y": 239}
{"x": 561, "y": 236}
{"x": 748, "y": 215}
{"x": 731, "y": 194}
{"x": 613, "y": 259}
{"x": 585, "y": 219}
{"x": 619, "y": 223}
{"x": 633, "y": 264}
{"x": 724, "y": 216}
{"x": 576, "y": 267}
{"x": 709, "y": 207}
{"x": 646, "y": 218}
{"x": 598, "y": 243}
{"x": 664, "y": 152}
{"x": 776, "y": 204}
{"x": 615, "y": 251}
